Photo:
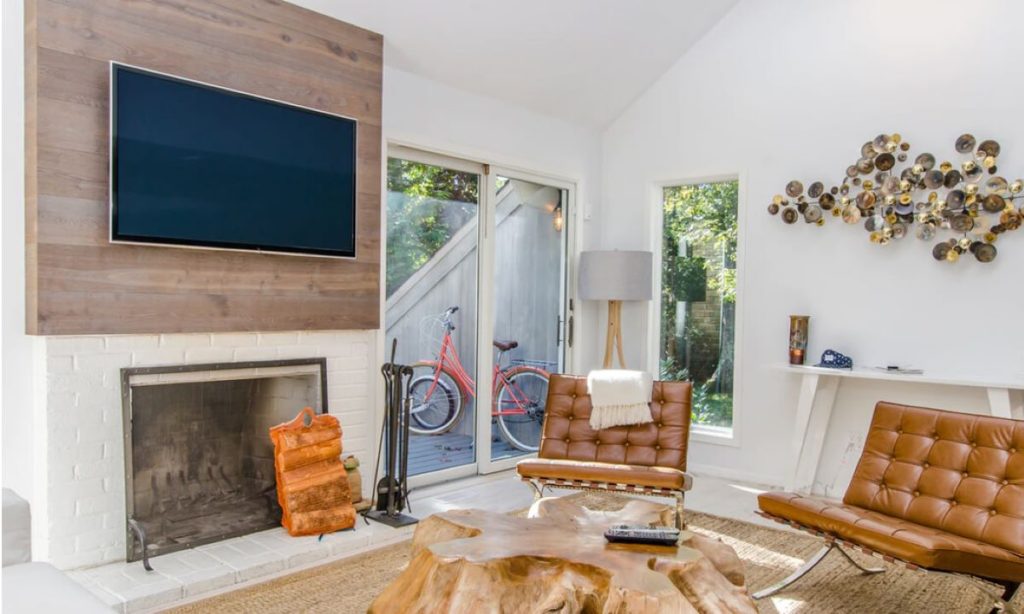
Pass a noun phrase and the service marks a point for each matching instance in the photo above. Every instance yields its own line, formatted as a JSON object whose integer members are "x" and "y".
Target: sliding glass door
{"x": 473, "y": 249}
{"x": 529, "y": 306}
{"x": 433, "y": 207}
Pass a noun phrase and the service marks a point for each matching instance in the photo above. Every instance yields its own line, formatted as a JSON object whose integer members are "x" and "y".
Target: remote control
{"x": 642, "y": 534}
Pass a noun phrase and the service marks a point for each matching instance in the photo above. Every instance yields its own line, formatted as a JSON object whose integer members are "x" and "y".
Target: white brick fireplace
{"x": 79, "y": 515}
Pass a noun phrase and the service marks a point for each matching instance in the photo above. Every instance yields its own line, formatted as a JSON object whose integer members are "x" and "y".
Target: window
{"x": 427, "y": 206}
{"x": 698, "y": 295}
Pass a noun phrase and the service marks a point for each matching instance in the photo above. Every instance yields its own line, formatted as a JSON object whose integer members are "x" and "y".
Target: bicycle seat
{"x": 505, "y": 346}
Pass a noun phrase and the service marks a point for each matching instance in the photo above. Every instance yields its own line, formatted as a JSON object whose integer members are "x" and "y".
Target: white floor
{"x": 195, "y": 574}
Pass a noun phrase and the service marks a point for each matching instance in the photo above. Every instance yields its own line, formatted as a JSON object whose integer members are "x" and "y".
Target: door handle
{"x": 568, "y": 333}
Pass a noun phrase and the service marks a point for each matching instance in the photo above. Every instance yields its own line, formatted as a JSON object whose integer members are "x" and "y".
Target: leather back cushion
{"x": 662, "y": 443}
{"x": 960, "y": 473}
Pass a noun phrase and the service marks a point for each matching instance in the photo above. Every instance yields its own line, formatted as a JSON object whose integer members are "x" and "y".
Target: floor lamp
{"x": 615, "y": 276}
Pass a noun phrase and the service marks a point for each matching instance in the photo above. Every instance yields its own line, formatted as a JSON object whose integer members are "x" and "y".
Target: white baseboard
{"x": 759, "y": 479}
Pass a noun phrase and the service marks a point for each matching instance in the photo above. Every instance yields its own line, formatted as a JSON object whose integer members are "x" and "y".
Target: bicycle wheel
{"x": 437, "y": 411}
{"x": 520, "y": 397}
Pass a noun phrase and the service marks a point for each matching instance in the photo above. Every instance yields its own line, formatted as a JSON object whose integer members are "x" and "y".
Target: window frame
{"x": 716, "y": 435}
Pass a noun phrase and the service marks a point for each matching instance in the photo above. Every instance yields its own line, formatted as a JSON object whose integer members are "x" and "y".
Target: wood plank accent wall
{"x": 77, "y": 281}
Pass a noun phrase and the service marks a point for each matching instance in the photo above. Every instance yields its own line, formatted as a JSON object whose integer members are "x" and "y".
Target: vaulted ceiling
{"x": 581, "y": 60}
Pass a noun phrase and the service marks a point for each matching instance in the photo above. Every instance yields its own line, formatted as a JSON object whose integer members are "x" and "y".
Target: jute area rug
{"x": 769, "y": 555}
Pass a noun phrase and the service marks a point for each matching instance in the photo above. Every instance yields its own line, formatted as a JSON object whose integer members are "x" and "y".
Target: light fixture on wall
{"x": 615, "y": 276}
{"x": 559, "y": 221}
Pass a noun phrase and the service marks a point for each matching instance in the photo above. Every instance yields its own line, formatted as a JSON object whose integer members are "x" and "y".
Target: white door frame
{"x": 485, "y": 291}
{"x": 485, "y": 352}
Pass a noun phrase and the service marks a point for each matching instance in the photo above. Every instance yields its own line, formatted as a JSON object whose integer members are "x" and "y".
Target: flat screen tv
{"x": 202, "y": 166}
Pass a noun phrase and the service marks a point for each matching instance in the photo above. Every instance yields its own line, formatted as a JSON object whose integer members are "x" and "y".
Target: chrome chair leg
{"x": 796, "y": 575}
{"x": 538, "y": 489}
{"x": 850, "y": 559}
{"x": 680, "y": 523}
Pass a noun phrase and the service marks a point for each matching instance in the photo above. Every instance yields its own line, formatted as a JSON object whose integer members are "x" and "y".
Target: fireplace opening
{"x": 199, "y": 463}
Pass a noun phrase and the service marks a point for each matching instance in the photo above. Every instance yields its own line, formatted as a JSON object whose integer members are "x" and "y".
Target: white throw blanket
{"x": 619, "y": 397}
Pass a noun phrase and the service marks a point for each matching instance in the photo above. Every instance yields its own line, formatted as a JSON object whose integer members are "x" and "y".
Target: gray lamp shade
{"x": 615, "y": 276}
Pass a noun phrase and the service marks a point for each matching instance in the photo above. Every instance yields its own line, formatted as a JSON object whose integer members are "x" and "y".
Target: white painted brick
{"x": 97, "y": 469}
{"x": 158, "y": 357}
{"x": 95, "y": 505}
{"x": 59, "y": 364}
{"x": 285, "y": 352}
{"x": 277, "y": 339}
{"x": 132, "y": 342}
{"x": 81, "y": 524}
{"x": 247, "y": 354}
{"x": 103, "y": 363}
{"x": 93, "y": 541}
{"x": 343, "y": 363}
{"x": 345, "y": 391}
{"x": 185, "y": 341}
{"x": 87, "y": 452}
{"x": 99, "y": 432}
{"x": 209, "y": 354}
{"x": 234, "y": 340}
{"x": 57, "y": 346}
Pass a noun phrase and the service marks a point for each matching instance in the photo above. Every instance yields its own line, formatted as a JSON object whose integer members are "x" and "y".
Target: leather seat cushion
{"x": 637, "y": 475}
{"x": 924, "y": 546}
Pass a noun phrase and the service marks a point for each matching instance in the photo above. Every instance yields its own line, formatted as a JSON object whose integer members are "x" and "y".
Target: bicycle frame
{"x": 448, "y": 361}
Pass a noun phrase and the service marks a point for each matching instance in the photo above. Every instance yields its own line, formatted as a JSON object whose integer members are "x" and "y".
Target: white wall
{"x": 428, "y": 114}
{"x": 791, "y": 89}
{"x": 18, "y": 349}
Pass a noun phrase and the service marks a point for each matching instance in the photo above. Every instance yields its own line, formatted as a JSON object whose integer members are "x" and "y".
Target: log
{"x": 557, "y": 560}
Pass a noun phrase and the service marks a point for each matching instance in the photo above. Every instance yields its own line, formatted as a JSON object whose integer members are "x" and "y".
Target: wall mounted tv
{"x": 202, "y": 166}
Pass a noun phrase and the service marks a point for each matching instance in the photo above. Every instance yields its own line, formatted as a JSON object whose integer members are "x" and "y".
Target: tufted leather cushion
{"x": 960, "y": 473}
{"x": 651, "y": 456}
{"x": 923, "y": 546}
{"x": 939, "y": 489}
{"x": 662, "y": 443}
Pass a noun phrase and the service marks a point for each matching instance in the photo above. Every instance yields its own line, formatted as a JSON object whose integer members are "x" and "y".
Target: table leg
{"x": 1001, "y": 404}
{"x": 810, "y": 428}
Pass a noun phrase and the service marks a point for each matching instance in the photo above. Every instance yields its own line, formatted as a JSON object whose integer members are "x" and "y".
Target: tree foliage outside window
{"x": 699, "y": 246}
{"x": 426, "y": 206}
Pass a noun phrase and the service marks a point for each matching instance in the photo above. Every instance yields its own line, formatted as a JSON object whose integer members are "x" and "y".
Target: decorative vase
{"x": 798, "y": 326}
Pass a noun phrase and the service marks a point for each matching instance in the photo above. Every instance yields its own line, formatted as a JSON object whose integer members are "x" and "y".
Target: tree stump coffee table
{"x": 557, "y": 560}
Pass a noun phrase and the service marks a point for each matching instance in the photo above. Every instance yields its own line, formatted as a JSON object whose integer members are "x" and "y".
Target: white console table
{"x": 818, "y": 389}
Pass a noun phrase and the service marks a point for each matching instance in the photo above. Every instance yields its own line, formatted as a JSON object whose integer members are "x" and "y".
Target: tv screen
{"x": 197, "y": 165}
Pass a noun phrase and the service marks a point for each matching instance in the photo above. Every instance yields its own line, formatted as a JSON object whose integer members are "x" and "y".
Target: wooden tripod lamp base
{"x": 614, "y": 335}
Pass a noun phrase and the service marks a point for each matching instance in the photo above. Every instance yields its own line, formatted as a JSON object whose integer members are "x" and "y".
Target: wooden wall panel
{"x": 79, "y": 283}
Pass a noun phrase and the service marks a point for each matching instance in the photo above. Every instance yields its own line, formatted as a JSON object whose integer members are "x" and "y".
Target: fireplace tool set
{"x": 391, "y": 495}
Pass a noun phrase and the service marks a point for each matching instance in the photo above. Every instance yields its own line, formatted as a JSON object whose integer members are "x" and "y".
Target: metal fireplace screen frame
{"x": 126, "y": 406}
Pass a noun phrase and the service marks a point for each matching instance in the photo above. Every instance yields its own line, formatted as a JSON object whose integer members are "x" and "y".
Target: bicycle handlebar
{"x": 447, "y": 318}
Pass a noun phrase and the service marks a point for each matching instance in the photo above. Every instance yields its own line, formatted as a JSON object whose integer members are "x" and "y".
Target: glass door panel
{"x": 529, "y": 305}
{"x": 433, "y": 208}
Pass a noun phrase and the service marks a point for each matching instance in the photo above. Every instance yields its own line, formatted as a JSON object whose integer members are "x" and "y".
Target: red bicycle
{"x": 439, "y": 390}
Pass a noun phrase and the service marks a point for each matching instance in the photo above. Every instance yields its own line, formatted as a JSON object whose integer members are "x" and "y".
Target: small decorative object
{"x": 798, "y": 326}
{"x": 965, "y": 197}
{"x": 832, "y": 359}
{"x": 355, "y": 483}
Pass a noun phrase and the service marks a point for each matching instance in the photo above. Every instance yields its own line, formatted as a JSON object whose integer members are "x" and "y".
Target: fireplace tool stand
{"x": 391, "y": 493}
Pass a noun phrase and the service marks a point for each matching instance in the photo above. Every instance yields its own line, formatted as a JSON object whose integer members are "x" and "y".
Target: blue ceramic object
{"x": 832, "y": 359}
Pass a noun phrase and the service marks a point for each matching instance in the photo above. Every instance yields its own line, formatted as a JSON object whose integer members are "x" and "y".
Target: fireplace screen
{"x": 199, "y": 462}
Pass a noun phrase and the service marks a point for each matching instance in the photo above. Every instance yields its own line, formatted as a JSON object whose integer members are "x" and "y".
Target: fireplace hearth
{"x": 199, "y": 462}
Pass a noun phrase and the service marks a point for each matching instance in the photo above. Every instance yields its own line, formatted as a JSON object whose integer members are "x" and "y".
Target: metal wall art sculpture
{"x": 966, "y": 198}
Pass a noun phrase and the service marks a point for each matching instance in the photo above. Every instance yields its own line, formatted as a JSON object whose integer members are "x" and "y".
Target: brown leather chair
{"x": 934, "y": 490}
{"x": 645, "y": 459}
